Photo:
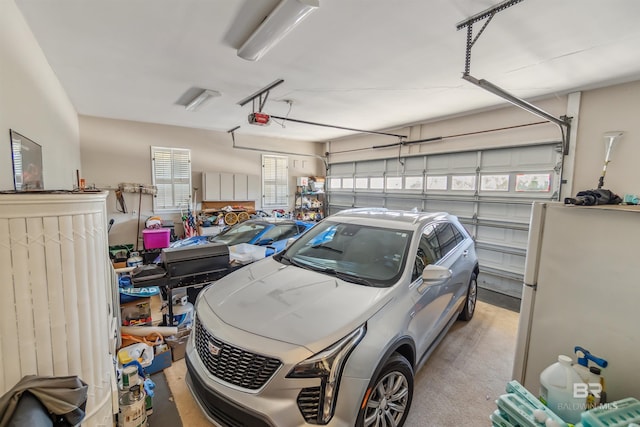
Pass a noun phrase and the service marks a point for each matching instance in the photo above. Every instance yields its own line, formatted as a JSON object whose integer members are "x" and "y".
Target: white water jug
{"x": 557, "y": 390}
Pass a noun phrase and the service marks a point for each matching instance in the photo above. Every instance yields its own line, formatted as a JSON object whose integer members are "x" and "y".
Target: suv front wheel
{"x": 390, "y": 397}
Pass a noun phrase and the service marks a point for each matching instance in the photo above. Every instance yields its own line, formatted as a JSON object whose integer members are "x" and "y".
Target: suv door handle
{"x": 465, "y": 252}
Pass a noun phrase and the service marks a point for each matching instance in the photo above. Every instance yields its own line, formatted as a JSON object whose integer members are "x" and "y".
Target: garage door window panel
{"x": 414, "y": 183}
{"x": 362, "y": 183}
{"x": 376, "y": 183}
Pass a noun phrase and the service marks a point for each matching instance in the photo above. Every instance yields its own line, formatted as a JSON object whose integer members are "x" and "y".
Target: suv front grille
{"x": 309, "y": 404}
{"x": 232, "y": 364}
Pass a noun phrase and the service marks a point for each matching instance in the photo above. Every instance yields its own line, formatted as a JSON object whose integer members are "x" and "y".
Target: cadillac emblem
{"x": 213, "y": 349}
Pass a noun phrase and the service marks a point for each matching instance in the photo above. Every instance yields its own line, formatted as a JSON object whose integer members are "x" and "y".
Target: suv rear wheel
{"x": 391, "y": 393}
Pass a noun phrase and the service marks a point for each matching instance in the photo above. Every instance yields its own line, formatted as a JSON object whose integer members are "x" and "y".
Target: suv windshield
{"x": 355, "y": 253}
{"x": 241, "y": 233}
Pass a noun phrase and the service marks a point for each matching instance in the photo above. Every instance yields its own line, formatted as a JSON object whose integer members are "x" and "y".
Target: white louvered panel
{"x": 69, "y": 286}
{"x": 95, "y": 261}
{"x": 55, "y": 282}
{"x": 56, "y": 289}
{"x": 40, "y": 295}
{"x": 10, "y": 368}
{"x": 84, "y": 303}
{"x": 22, "y": 295}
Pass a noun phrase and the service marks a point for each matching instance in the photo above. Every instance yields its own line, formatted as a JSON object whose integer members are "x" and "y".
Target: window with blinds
{"x": 275, "y": 181}
{"x": 171, "y": 169}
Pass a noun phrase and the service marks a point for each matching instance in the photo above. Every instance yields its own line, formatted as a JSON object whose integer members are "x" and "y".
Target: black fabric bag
{"x": 63, "y": 398}
{"x": 598, "y": 196}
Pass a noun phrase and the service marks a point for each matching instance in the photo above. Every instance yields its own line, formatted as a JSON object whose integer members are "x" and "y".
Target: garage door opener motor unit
{"x": 260, "y": 119}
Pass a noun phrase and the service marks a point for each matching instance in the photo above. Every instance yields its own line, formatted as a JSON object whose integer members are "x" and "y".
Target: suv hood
{"x": 292, "y": 304}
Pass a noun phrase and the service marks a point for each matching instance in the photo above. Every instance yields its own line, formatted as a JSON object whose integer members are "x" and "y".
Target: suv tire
{"x": 472, "y": 297}
{"x": 391, "y": 394}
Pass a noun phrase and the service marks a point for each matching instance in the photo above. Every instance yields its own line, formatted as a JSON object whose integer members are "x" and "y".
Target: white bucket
{"x": 557, "y": 390}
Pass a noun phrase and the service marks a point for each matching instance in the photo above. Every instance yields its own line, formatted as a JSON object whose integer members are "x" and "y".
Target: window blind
{"x": 275, "y": 181}
{"x": 171, "y": 168}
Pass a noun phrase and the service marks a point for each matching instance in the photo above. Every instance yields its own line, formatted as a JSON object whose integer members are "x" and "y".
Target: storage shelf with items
{"x": 309, "y": 204}
{"x": 216, "y": 214}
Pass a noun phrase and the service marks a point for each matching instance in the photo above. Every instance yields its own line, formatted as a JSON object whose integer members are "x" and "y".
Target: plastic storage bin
{"x": 514, "y": 387}
{"x": 620, "y": 413}
{"x": 499, "y": 420}
{"x": 156, "y": 238}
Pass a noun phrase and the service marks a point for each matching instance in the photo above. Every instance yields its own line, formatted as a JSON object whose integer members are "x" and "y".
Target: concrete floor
{"x": 457, "y": 386}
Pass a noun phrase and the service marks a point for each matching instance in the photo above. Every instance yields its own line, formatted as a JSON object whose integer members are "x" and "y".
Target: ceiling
{"x": 362, "y": 64}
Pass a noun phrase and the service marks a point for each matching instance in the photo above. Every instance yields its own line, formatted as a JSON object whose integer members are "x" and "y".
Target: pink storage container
{"x": 155, "y": 238}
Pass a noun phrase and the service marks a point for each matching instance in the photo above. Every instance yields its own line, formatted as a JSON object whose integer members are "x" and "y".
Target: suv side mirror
{"x": 264, "y": 242}
{"x": 435, "y": 274}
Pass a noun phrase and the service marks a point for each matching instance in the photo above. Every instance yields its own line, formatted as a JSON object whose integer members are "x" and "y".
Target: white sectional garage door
{"x": 491, "y": 191}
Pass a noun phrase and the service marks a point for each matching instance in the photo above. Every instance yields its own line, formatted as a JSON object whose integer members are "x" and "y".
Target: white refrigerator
{"x": 582, "y": 288}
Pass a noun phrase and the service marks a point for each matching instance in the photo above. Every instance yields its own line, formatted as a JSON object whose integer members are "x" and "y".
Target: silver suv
{"x": 331, "y": 331}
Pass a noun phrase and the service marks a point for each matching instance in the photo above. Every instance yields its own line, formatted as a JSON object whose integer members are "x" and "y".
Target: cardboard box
{"x": 161, "y": 361}
{"x": 136, "y": 313}
{"x": 120, "y": 264}
{"x": 178, "y": 343}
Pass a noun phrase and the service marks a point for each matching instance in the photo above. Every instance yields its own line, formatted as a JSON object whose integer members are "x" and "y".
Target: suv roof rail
{"x": 363, "y": 210}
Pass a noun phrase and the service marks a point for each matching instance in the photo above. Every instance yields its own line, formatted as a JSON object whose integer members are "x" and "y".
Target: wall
{"x": 459, "y": 133}
{"x": 33, "y": 103}
{"x": 116, "y": 151}
{"x": 602, "y": 110}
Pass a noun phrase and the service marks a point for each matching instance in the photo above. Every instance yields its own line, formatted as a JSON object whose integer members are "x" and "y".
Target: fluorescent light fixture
{"x": 202, "y": 98}
{"x": 276, "y": 26}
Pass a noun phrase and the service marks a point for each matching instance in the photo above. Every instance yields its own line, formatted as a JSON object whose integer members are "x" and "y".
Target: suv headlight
{"x": 327, "y": 365}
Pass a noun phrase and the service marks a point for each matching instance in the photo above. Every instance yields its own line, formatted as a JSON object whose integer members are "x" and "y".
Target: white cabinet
{"x": 230, "y": 186}
{"x": 254, "y": 189}
{"x": 581, "y": 289}
{"x": 227, "y": 187}
{"x": 211, "y": 186}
